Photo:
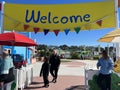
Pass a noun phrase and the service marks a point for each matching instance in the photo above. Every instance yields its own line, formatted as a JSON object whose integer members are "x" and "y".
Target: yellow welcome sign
{"x": 92, "y": 15}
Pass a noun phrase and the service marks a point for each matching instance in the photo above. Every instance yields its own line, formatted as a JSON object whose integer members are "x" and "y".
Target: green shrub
{"x": 95, "y": 57}
{"x": 115, "y": 81}
{"x": 93, "y": 83}
{"x": 75, "y": 55}
{"x": 114, "y": 84}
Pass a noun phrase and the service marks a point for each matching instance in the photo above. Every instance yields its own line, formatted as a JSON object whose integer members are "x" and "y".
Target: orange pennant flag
{"x": 26, "y": 27}
{"x": 56, "y": 32}
{"x": 118, "y": 3}
{"x": 88, "y": 26}
{"x": 99, "y": 22}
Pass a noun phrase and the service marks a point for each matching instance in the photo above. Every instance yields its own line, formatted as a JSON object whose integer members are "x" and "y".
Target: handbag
{"x": 10, "y": 76}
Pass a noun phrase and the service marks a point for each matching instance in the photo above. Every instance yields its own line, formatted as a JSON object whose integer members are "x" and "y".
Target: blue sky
{"x": 88, "y": 38}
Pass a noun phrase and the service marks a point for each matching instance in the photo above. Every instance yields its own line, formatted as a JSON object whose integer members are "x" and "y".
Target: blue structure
{"x": 23, "y": 51}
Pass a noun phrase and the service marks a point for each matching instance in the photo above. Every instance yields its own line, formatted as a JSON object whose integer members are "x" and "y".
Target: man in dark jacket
{"x": 54, "y": 65}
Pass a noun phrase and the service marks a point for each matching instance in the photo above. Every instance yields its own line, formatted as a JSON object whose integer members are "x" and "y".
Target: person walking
{"x": 45, "y": 72}
{"x": 54, "y": 65}
{"x": 106, "y": 65}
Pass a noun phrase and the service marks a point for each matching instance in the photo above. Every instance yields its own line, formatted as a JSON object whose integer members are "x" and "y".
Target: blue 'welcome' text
{"x": 55, "y": 19}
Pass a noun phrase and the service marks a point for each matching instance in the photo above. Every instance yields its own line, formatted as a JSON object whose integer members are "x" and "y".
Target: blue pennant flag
{"x": 46, "y": 31}
{"x": 67, "y": 31}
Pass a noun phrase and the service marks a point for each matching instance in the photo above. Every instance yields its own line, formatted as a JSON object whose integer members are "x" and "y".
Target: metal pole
{"x": 2, "y": 24}
{"x": 116, "y": 14}
{"x": 2, "y": 17}
{"x": 99, "y": 49}
{"x": 117, "y": 26}
{"x": 108, "y": 49}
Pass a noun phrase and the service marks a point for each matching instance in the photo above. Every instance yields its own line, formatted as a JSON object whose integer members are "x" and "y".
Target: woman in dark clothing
{"x": 106, "y": 65}
{"x": 45, "y": 72}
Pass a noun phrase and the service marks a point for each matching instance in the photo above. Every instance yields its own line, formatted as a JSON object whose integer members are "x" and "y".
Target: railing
{"x": 90, "y": 71}
{"x": 23, "y": 78}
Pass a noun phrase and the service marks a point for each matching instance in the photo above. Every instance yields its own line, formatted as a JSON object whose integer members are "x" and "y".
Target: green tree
{"x": 75, "y": 55}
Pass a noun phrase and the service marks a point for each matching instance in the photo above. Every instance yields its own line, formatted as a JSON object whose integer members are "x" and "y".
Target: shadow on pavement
{"x": 31, "y": 88}
{"x": 77, "y": 87}
{"x": 37, "y": 83}
{"x": 34, "y": 86}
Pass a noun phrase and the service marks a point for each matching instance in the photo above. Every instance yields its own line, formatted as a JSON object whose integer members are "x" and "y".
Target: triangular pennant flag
{"x": 77, "y": 29}
{"x": 56, "y": 32}
{"x": 118, "y": 3}
{"x": 46, "y": 31}
{"x": 99, "y": 22}
{"x": 36, "y": 30}
{"x": 26, "y": 27}
{"x": 88, "y": 26}
{"x": 67, "y": 31}
{"x": 0, "y": 6}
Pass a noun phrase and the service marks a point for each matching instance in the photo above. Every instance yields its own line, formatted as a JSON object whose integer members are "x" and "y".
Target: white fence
{"x": 90, "y": 71}
{"x": 23, "y": 77}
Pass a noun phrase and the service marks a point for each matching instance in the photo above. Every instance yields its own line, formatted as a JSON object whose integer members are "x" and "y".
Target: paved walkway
{"x": 71, "y": 76}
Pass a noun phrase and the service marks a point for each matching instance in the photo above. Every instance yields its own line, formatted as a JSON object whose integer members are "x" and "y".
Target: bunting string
{"x": 56, "y": 31}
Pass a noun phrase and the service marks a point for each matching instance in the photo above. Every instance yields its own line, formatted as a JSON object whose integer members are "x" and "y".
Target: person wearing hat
{"x": 6, "y": 64}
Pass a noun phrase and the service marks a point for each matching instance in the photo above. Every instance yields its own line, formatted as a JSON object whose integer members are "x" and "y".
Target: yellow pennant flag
{"x": 59, "y": 16}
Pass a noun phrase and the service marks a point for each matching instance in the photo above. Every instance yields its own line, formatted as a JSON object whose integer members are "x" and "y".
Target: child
{"x": 45, "y": 72}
